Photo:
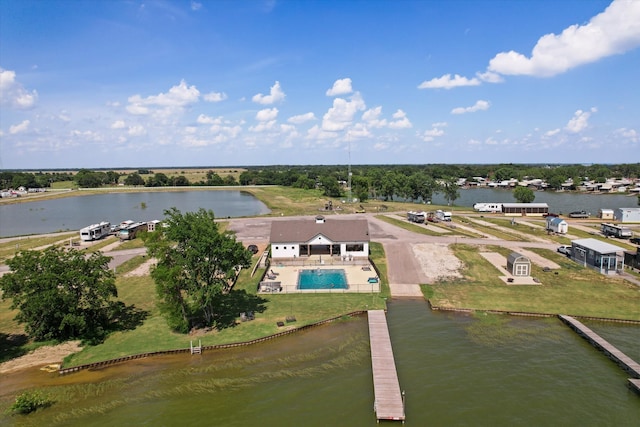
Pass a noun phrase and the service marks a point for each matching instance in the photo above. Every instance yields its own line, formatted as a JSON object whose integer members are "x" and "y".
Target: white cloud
{"x": 629, "y": 134}
{"x": 176, "y": 99}
{"x": 340, "y": 116}
{"x": 206, "y": 120}
{"x": 579, "y": 121}
{"x": 372, "y": 118}
{"x": 13, "y": 94}
{"x": 301, "y": 118}
{"x": 215, "y": 96}
{"x": 276, "y": 94}
{"x": 263, "y": 126}
{"x": 446, "y": 82}
{"x": 340, "y": 87}
{"x": 19, "y": 128}
{"x": 478, "y": 106}
{"x": 401, "y": 121}
{"x": 552, "y": 132}
{"x": 380, "y": 146}
{"x": 490, "y": 77}
{"x": 357, "y": 131}
{"x": 196, "y": 5}
{"x": 614, "y": 31}
{"x": 316, "y": 132}
{"x": 137, "y": 130}
{"x": 434, "y": 132}
{"x": 267, "y": 114}
{"x": 118, "y": 124}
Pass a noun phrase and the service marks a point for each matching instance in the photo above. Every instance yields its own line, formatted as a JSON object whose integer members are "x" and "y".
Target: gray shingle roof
{"x": 304, "y": 230}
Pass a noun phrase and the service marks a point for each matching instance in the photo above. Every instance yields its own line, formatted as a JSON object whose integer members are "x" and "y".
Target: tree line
{"x": 410, "y": 182}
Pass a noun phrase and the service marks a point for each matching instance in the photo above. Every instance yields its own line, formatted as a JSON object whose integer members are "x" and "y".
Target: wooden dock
{"x": 603, "y": 345}
{"x": 389, "y": 402}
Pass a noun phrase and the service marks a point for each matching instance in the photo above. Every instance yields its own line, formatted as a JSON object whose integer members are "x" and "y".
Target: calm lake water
{"x": 456, "y": 370}
{"x": 74, "y": 213}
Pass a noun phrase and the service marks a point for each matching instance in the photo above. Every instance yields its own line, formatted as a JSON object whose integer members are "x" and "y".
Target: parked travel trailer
{"x": 130, "y": 231}
{"x": 418, "y": 217}
{"x": 488, "y": 207}
{"x": 95, "y": 231}
{"x": 557, "y": 225}
{"x": 616, "y": 231}
{"x": 443, "y": 215}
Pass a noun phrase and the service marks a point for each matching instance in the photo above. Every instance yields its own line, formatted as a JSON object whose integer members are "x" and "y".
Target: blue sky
{"x": 109, "y": 84}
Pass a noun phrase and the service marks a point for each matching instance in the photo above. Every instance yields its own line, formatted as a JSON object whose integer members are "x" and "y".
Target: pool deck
{"x": 357, "y": 277}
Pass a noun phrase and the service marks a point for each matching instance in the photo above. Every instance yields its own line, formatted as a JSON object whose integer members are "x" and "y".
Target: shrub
{"x": 30, "y": 401}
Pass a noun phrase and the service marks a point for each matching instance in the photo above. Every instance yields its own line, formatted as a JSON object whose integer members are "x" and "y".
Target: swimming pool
{"x": 322, "y": 279}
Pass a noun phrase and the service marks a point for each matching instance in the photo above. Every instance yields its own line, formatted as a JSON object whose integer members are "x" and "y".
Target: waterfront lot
{"x": 574, "y": 290}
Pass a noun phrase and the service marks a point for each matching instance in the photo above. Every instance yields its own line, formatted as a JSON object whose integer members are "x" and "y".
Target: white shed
{"x": 627, "y": 215}
{"x": 605, "y": 213}
{"x": 557, "y": 225}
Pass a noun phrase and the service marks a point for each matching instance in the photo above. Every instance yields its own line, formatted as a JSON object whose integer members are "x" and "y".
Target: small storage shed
{"x": 518, "y": 265}
{"x": 557, "y": 225}
{"x": 605, "y": 214}
{"x": 627, "y": 215}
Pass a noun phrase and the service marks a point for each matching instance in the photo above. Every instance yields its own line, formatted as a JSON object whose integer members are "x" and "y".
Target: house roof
{"x": 555, "y": 220}
{"x": 304, "y": 230}
{"x": 598, "y": 246}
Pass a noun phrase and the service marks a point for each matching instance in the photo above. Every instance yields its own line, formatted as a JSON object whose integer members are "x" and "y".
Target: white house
{"x": 299, "y": 238}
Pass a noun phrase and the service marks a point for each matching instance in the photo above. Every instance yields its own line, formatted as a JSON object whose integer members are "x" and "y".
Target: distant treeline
{"x": 413, "y": 182}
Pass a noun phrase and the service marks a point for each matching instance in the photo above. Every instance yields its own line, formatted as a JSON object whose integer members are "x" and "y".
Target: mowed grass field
{"x": 155, "y": 335}
{"x": 574, "y": 290}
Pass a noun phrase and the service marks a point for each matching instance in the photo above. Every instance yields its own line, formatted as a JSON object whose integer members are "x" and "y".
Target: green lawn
{"x": 154, "y": 334}
{"x": 574, "y": 290}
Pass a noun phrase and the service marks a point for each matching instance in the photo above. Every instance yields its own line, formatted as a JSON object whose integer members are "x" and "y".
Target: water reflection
{"x": 73, "y": 213}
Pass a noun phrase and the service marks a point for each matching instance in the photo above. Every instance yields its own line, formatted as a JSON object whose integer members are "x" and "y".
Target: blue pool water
{"x": 322, "y": 279}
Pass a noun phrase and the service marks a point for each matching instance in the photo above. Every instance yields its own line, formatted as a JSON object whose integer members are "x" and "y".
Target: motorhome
{"x": 488, "y": 207}
{"x": 443, "y": 215}
{"x": 418, "y": 217}
{"x": 95, "y": 231}
{"x": 129, "y": 232}
{"x": 616, "y": 231}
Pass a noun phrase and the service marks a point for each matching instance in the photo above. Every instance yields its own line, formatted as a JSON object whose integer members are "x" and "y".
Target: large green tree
{"x": 524, "y": 194}
{"x": 197, "y": 264}
{"x": 449, "y": 189}
{"x": 61, "y": 294}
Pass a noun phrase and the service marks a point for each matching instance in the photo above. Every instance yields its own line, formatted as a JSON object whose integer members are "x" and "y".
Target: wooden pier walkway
{"x": 596, "y": 340}
{"x": 389, "y": 402}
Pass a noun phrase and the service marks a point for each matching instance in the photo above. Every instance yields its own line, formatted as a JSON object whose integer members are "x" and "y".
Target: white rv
{"x": 95, "y": 231}
{"x": 488, "y": 207}
{"x": 443, "y": 215}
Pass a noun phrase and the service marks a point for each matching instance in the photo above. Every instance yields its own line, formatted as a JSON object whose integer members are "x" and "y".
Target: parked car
{"x": 565, "y": 250}
{"x": 635, "y": 240}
